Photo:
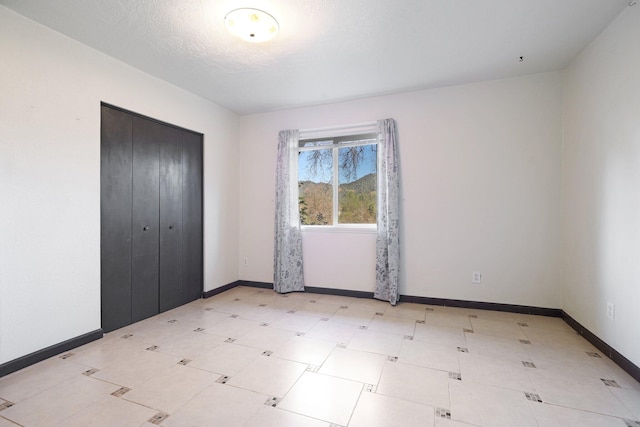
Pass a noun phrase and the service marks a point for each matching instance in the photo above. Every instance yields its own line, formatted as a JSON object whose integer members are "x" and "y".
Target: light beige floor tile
{"x": 607, "y": 369}
{"x": 32, "y": 380}
{"x": 268, "y": 375}
{"x": 305, "y": 350}
{"x": 423, "y": 354}
{"x": 297, "y": 296}
{"x": 202, "y": 318}
{"x": 323, "y": 397}
{"x": 354, "y": 365}
{"x": 153, "y": 334}
{"x": 183, "y": 310}
{"x": 546, "y": 322}
{"x": 452, "y": 320}
{"x": 541, "y": 352}
{"x": 405, "y": 310}
{"x": 503, "y": 316}
{"x": 268, "y": 416}
{"x": 500, "y": 373}
{"x": 554, "y": 338}
{"x": 145, "y": 323}
{"x": 296, "y": 322}
{"x": 178, "y": 314}
{"x": 489, "y": 406}
{"x": 232, "y": 327}
{"x": 265, "y": 338}
{"x": 353, "y": 317}
{"x": 630, "y": 399}
{"x": 416, "y": 384}
{"x": 317, "y": 309}
{"x": 262, "y": 296}
{"x": 376, "y": 410}
{"x": 253, "y": 310}
{"x": 368, "y": 304}
{"x": 393, "y": 325}
{"x": 338, "y": 300}
{"x": 108, "y": 352}
{"x": 376, "y": 342}
{"x": 333, "y": 332}
{"x": 458, "y": 311}
{"x": 243, "y": 292}
{"x": 497, "y": 328}
{"x": 221, "y": 306}
{"x": 6, "y": 423}
{"x": 288, "y": 303}
{"x": 496, "y": 347}
{"x": 554, "y": 416}
{"x": 585, "y": 393}
{"x": 171, "y": 388}
{"x": 161, "y": 332}
{"x": 226, "y": 359}
{"x": 263, "y": 314}
{"x": 125, "y": 330}
{"x": 135, "y": 371}
{"x": 189, "y": 345}
{"x": 59, "y": 402}
{"x": 440, "y": 337}
{"x": 109, "y": 412}
{"x": 293, "y": 299}
{"x": 443, "y": 422}
{"x": 218, "y": 405}
{"x": 563, "y": 361}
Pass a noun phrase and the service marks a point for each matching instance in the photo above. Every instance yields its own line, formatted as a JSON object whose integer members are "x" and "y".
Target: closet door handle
{"x": 171, "y": 227}
{"x": 145, "y": 228}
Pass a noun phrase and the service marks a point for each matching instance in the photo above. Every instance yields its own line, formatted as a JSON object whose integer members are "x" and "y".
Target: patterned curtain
{"x": 287, "y": 262}
{"x": 387, "y": 241}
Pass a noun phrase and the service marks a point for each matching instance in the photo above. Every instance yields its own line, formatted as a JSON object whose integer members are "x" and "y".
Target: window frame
{"x": 335, "y": 147}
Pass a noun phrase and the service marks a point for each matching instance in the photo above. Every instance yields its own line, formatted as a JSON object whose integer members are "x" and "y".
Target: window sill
{"x": 346, "y": 228}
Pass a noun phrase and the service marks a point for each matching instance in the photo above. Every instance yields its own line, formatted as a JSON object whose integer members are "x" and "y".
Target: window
{"x": 337, "y": 180}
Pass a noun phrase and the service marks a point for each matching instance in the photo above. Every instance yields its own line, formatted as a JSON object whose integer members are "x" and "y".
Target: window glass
{"x": 358, "y": 184}
{"x": 315, "y": 187}
{"x": 337, "y": 180}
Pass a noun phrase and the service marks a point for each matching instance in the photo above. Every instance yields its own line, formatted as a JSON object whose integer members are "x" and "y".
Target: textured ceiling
{"x": 329, "y": 50}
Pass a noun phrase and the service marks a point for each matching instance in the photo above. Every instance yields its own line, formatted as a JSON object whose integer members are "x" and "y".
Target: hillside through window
{"x": 337, "y": 180}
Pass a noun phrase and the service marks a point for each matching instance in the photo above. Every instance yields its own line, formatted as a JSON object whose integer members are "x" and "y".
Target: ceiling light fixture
{"x": 252, "y": 25}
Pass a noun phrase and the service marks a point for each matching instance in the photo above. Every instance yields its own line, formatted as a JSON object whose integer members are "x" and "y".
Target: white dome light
{"x": 252, "y": 25}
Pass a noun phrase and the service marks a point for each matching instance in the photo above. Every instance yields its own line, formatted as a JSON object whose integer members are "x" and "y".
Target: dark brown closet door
{"x": 192, "y": 260}
{"x": 171, "y": 220}
{"x": 151, "y": 217}
{"x": 145, "y": 231}
{"x": 115, "y": 218}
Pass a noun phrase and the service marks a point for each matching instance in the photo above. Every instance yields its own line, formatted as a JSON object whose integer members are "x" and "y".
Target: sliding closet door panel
{"x": 171, "y": 220}
{"x": 115, "y": 218}
{"x": 145, "y": 221}
{"x": 192, "y": 216}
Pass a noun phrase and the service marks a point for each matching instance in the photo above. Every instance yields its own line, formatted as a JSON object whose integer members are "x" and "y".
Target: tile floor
{"x": 249, "y": 357}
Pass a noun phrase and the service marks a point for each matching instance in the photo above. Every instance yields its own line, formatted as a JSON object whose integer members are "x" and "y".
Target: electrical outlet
{"x": 245, "y": 261}
{"x": 476, "y": 277}
{"x": 611, "y": 310}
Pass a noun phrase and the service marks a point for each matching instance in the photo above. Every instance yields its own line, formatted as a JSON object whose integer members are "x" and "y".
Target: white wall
{"x": 481, "y": 185}
{"x": 51, "y": 88}
{"x": 601, "y": 227}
